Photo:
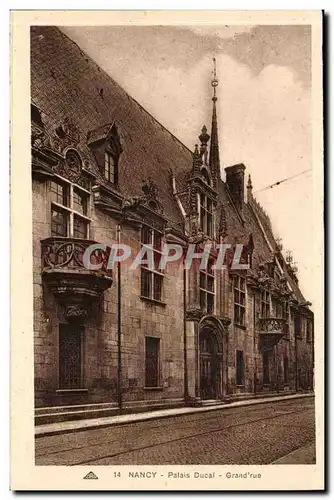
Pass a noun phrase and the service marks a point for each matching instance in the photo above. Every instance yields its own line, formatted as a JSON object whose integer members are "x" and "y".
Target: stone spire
{"x": 249, "y": 189}
{"x": 214, "y": 145}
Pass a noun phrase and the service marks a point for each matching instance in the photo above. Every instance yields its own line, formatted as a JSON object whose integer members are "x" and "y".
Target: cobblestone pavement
{"x": 259, "y": 434}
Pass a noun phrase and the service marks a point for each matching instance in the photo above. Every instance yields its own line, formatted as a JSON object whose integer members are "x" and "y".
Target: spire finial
{"x": 249, "y": 184}
{"x": 214, "y": 81}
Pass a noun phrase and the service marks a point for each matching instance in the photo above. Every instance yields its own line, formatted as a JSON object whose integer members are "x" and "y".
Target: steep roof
{"x": 257, "y": 223}
{"x": 65, "y": 82}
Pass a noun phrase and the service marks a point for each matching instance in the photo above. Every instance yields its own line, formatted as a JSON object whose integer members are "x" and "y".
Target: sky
{"x": 264, "y": 105}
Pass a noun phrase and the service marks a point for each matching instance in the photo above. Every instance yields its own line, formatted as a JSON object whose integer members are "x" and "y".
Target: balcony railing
{"x": 67, "y": 253}
{"x": 272, "y": 330}
{"x": 75, "y": 286}
{"x": 273, "y": 325}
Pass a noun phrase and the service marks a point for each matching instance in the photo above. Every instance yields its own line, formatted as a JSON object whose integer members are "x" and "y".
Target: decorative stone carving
{"x": 197, "y": 161}
{"x": 272, "y": 330}
{"x": 204, "y": 138}
{"x": 265, "y": 275}
{"x": 71, "y": 169}
{"x": 273, "y": 325}
{"x": 74, "y": 312}
{"x": 75, "y": 286}
{"x": 222, "y": 222}
{"x": 39, "y": 139}
{"x": 150, "y": 198}
{"x": 197, "y": 237}
{"x": 150, "y": 189}
{"x": 194, "y": 314}
{"x": 193, "y": 200}
{"x": 67, "y": 131}
{"x": 72, "y": 165}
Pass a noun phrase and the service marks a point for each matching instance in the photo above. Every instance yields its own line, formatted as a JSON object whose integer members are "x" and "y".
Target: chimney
{"x": 235, "y": 178}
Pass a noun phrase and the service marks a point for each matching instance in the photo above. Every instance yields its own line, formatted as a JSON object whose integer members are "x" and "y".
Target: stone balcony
{"x": 75, "y": 286}
{"x": 272, "y": 330}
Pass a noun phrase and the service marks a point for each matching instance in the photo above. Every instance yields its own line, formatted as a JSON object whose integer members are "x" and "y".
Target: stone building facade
{"x": 103, "y": 168}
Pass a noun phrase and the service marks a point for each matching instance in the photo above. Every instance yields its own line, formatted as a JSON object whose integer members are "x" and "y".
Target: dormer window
{"x": 110, "y": 168}
{"x": 105, "y": 144}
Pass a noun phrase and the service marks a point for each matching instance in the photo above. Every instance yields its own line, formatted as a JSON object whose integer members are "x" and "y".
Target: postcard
{"x": 167, "y": 294}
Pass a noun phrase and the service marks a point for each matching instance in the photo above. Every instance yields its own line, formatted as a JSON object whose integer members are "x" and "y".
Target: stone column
{"x": 192, "y": 321}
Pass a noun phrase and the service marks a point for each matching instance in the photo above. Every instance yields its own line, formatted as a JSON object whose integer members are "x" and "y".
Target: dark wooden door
{"x": 208, "y": 371}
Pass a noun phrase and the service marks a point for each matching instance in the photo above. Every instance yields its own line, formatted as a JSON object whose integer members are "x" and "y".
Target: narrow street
{"x": 281, "y": 432}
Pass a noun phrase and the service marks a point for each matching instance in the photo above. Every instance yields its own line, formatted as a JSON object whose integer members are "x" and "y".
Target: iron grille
{"x": 70, "y": 339}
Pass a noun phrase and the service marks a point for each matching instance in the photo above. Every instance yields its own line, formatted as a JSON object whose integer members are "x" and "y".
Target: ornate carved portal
{"x": 211, "y": 355}
{"x": 210, "y": 366}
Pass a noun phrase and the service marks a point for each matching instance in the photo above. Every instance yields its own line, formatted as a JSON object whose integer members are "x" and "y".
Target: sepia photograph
{"x": 175, "y": 215}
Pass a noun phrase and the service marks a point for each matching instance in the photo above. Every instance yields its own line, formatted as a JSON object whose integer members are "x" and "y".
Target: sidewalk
{"x": 99, "y": 423}
{"x": 304, "y": 455}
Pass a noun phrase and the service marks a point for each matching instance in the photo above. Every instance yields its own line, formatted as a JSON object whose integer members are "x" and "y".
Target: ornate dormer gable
{"x": 71, "y": 168}
{"x": 67, "y": 135}
{"x": 106, "y": 146}
{"x": 202, "y": 195}
{"x": 266, "y": 273}
{"x": 147, "y": 208}
{"x": 56, "y": 150}
{"x": 291, "y": 266}
{"x": 150, "y": 198}
{"x": 270, "y": 277}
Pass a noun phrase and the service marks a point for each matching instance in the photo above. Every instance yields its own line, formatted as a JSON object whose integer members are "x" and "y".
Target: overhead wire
{"x": 282, "y": 180}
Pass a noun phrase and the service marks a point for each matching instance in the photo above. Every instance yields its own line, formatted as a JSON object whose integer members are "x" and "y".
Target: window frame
{"x": 108, "y": 156}
{"x": 158, "y": 377}
{"x": 206, "y": 214}
{"x": 239, "y": 307}
{"x": 153, "y": 274}
{"x": 265, "y": 304}
{"x": 209, "y": 276}
{"x": 276, "y": 305}
{"x": 71, "y": 213}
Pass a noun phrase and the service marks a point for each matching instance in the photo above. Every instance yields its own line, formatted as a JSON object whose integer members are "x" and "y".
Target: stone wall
{"x": 140, "y": 318}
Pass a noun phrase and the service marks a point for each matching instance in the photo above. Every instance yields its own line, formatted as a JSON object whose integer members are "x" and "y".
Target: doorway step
{"x": 52, "y": 414}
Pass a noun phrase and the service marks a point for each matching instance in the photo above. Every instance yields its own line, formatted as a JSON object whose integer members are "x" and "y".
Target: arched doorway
{"x": 210, "y": 365}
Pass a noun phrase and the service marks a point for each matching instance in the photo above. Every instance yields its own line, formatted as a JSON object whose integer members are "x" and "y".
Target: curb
{"x": 103, "y": 422}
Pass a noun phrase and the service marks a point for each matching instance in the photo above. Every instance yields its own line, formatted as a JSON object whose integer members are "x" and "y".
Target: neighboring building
{"x": 186, "y": 335}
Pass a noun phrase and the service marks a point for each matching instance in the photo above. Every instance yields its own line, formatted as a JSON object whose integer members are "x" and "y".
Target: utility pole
{"x": 119, "y": 323}
{"x": 185, "y": 354}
